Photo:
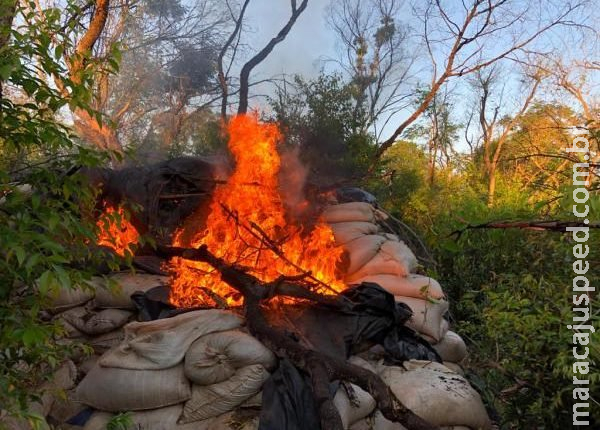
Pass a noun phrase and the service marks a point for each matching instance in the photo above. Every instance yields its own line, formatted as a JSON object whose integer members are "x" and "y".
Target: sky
{"x": 311, "y": 42}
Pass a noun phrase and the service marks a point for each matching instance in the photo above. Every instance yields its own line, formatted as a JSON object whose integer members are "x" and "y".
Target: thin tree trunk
{"x": 491, "y": 186}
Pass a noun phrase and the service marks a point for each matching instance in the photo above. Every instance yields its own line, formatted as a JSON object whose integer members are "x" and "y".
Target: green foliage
{"x": 323, "y": 119}
{"x": 120, "y": 421}
{"x": 46, "y": 222}
{"x": 510, "y": 290}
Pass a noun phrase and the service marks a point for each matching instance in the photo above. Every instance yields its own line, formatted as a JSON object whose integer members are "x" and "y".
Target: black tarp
{"x": 371, "y": 317}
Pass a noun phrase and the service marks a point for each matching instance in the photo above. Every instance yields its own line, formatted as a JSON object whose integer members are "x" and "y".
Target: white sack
{"x": 127, "y": 283}
{"x": 215, "y": 357}
{"x": 437, "y": 395}
{"x": 417, "y": 286}
{"x": 451, "y": 348}
{"x": 345, "y": 232}
{"x": 393, "y": 258}
{"x": 427, "y": 316}
{"x": 212, "y": 400}
{"x": 351, "y": 412}
{"x": 112, "y": 389}
{"x": 163, "y": 343}
{"x": 353, "y": 211}
{"x": 362, "y": 250}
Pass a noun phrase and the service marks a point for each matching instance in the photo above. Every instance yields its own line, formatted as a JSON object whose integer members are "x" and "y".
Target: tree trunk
{"x": 100, "y": 135}
{"x": 491, "y": 186}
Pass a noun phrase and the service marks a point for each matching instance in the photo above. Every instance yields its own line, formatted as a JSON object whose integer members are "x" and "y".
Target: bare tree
{"x": 463, "y": 38}
{"x": 495, "y": 129}
{"x": 296, "y": 11}
{"x": 438, "y": 130}
{"x": 376, "y": 56}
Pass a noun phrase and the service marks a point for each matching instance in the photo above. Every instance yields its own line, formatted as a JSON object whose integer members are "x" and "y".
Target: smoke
{"x": 292, "y": 179}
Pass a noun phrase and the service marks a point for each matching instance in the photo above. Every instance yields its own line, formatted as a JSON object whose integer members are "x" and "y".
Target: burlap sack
{"x": 155, "y": 419}
{"x": 111, "y": 389}
{"x": 393, "y": 258}
{"x": 163, "y": 343}
{"x": 66, "y": 298}
{"x": 64, "y": 408}
{"x": 352, "y": 411}
{"x": 428, "y": 316}
{"x": 215, "y": 357}
{"x": 345, "y": 232}
{"x": 361, "y": 251}
{"x": 95, "y": 323}
{"x": 417, "y": 286}
{"x": 63, "y": 318}
{"x": 376, "y": 422}
{"x": 437, "y": 394}
{"x": 349, "y": 212}
{"x": 213, "y": 400}
{"x": 451, "y": 348}
{"x": 119, "y": 295}
{"x": 104, "y": 342}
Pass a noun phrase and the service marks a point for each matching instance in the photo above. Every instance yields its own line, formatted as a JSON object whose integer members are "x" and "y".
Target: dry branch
{"x": 553, "y": 225}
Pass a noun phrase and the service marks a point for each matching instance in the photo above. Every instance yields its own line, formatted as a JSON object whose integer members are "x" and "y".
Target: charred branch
{"x": 321, "y": 368}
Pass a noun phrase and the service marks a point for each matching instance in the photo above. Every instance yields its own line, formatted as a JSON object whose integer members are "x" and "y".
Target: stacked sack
{"x": 200, "y": 370}
{"x": 382, "y": 258}
{"x": 96, "y": 313}
{"x": 188, "y": 371}
{"x": 195, "y": 370}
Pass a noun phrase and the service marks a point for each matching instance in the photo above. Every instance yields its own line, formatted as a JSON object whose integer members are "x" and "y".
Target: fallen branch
{"x": 321, "y": 368}
{"x": 553, "y": 225}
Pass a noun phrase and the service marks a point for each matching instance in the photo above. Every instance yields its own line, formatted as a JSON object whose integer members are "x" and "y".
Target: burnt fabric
{"x": 371, "y": 316}
{"x": 353, "y": 194}
{"x": 154, "y": 189}
{"x": 287, "y": 401}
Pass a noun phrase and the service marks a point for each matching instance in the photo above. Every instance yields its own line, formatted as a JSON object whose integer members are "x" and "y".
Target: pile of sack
{"x": 202, "y": 370}
{"x": 382, "y": 258}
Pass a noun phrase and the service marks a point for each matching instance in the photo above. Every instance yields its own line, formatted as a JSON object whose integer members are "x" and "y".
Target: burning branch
{"x": 321, "y": 368}
{"x": 272, "y": 245}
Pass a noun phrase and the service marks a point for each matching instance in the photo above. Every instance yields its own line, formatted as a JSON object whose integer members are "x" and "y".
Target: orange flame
{"x": 252, "y": 193}
{"x": 115, "y": 231}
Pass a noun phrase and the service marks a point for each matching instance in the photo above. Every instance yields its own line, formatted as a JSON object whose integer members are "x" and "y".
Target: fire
{"x": 115, "y": 230}
{"x": 252, "y": 195}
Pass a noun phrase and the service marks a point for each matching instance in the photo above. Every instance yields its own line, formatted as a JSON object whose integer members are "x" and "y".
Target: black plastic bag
{"x": 287, "y": 401}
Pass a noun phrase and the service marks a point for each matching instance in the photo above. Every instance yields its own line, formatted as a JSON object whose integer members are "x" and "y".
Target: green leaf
{"x": 33, "y": 335}
{"x": 20, "y": 253}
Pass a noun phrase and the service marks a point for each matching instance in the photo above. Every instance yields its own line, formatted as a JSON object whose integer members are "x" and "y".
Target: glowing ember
{"x": 252, "y": 193}
{"x": 115, "y": 230}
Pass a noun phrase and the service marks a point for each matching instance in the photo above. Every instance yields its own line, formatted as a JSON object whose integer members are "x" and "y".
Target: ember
{"x": 115, "y": 231}
{"x": 246, "y": 214}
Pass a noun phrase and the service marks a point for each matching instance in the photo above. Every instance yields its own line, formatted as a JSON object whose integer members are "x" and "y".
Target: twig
{"x": 271, "y": 245}
{"x": 181, "y": 196}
